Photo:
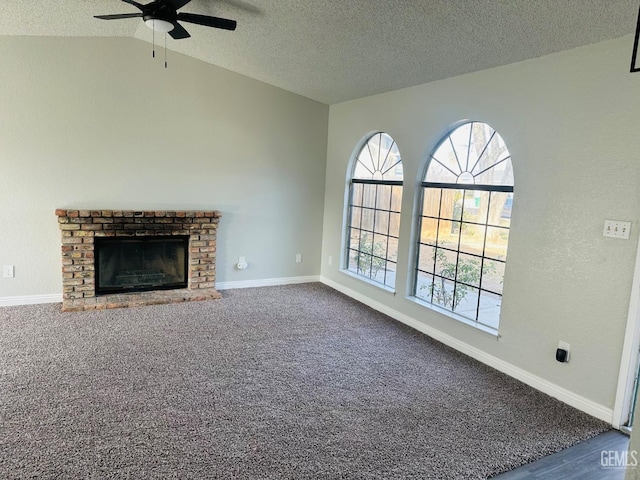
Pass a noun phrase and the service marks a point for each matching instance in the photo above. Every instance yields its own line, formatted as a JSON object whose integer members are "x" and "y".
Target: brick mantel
{"x": 79, "y": 228}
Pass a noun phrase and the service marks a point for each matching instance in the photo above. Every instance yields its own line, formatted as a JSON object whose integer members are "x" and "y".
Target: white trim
{"x": 477, "y": 325}
{"x": 267, "y": 282}
{"x": 539, "y": 383}
{"x": 630, "y": 348}
{"x": 367, "y": 280}
{"x": 30, "y": 300}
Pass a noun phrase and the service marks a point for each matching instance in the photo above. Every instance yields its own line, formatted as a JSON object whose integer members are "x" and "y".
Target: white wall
{"x": 571, "y": 122}
{"x": 98, "y": 123}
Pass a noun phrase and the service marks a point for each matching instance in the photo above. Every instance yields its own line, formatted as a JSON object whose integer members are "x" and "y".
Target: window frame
{"x": 350, "y": 203}
{"x": 422, "y": 185}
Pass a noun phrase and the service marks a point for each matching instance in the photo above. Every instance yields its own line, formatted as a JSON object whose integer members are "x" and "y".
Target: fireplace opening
{"x": 135, "y": 264}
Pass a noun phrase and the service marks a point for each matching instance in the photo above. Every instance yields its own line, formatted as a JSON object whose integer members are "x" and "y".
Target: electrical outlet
{"x": 298, "y": 258}
{"x": 565, "y": 346}
{"x": 8, "y": 271}
{"x": 617, "y": 229}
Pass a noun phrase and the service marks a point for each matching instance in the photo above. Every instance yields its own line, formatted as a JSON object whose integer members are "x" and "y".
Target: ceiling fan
{"x": 163, "y": 16}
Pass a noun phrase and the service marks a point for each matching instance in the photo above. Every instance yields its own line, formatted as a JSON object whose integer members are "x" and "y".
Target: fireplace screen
{"x": 129, "y": 264}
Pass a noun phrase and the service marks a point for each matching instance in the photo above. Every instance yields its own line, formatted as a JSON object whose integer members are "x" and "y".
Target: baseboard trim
{"x": 570, "y": 398}
{"x": 30, "y": 300}
{"x": 267, "y": 282}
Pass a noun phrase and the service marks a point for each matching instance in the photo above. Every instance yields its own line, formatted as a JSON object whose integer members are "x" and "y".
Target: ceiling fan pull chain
{"x": 165, "y": 50}
{"x": 153, "y": 37}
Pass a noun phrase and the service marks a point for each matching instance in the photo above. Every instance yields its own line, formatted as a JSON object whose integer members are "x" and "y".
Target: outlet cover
{"x": 567, "y": 347}
{"x": 8, "y": 271}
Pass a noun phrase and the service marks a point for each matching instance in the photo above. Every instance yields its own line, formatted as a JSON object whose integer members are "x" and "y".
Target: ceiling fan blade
{"x": 118, "y": 16}
{"x": 178, "y": 32}
{"x": 177, "y": 4}
{"x": 135, "y": 4}
{"x": 208, "y": 21}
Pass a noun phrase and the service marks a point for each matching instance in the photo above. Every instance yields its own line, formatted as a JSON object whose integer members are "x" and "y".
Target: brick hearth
{"x": 79, "y": 228}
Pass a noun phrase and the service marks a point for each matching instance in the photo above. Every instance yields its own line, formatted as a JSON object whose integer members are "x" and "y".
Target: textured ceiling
{"x": 337, "y": 50}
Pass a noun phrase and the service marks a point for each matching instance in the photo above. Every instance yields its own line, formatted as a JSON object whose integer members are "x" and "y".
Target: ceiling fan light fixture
{"x": 159, "y": 25}
{"x": 162, "y": 16}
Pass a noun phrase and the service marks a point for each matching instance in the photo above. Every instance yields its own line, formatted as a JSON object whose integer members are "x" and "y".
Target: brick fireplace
{"x": 79, "y": 228}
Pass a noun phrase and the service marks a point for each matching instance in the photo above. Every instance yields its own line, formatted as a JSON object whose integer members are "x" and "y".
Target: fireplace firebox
{"x": 140, "y": 264}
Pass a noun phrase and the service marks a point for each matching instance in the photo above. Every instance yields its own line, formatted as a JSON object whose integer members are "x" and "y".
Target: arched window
{"x": 375, "y": 196}
{"x": 467, "y": 193}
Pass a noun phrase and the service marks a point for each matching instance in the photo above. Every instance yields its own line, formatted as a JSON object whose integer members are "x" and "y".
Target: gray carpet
{"x": 290, "y": 382}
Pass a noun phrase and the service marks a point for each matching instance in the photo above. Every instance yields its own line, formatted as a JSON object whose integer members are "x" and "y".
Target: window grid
{"x": 357, "y": 249}
{"x": 433, "y": 275}
{"x": 373, "y": 211}
{"x": 463, "y": 226}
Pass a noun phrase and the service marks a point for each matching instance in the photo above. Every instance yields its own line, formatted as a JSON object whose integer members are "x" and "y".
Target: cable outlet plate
{"x": 617, "y": 229}
{"x": 567, "y": 347}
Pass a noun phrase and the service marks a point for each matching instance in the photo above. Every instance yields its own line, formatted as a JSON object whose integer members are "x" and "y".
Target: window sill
{"x": 478, "y": 326}
{"x": 368, "y": 281}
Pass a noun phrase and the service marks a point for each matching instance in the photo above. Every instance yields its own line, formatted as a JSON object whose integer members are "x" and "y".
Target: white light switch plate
{"x": 617, "y": 229}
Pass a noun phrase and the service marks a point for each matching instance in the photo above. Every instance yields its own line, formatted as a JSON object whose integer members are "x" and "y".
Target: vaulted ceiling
{"x": 338, "y": 50}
